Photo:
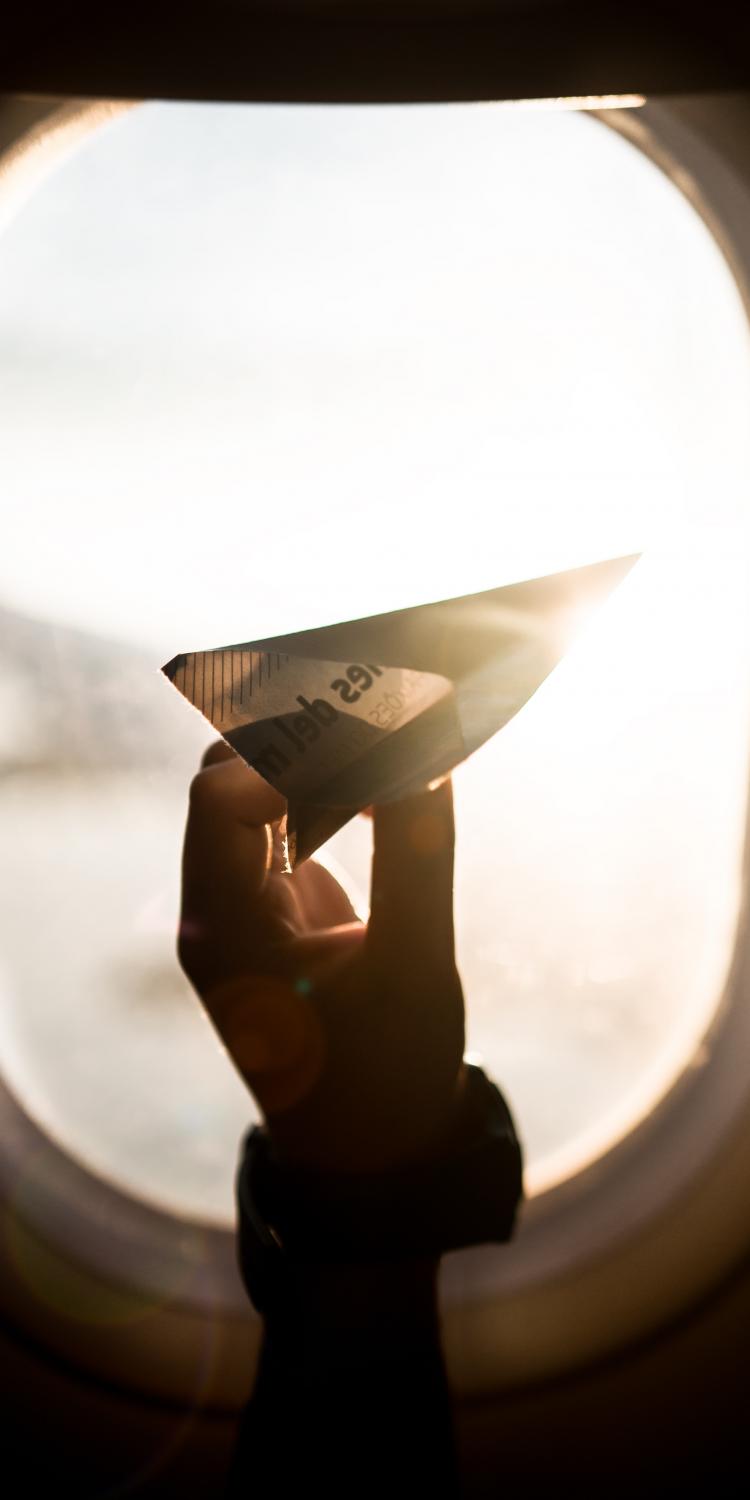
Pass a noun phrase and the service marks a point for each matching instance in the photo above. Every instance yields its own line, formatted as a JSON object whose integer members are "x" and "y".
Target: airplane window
{"x": 266, "y": 367}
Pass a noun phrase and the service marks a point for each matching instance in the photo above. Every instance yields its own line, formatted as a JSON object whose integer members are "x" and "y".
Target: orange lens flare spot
{"x": 274, "y": 1037}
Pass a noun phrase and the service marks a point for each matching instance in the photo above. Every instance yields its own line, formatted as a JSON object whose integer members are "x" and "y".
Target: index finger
{"x": 226, "y": 854}
{"x": 228, "y": 790}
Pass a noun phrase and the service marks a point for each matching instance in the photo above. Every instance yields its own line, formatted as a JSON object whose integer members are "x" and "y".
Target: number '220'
{"x": 387, "y": 709}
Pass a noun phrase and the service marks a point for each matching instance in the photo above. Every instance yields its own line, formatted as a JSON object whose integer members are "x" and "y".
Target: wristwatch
{"x": 468, "y": 1194}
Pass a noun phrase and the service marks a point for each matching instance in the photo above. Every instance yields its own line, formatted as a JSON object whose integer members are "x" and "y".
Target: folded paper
{"x": 372, "y": 710}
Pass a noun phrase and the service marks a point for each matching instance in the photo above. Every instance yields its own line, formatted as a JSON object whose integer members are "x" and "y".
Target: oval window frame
{"x": 149, "y": 1302}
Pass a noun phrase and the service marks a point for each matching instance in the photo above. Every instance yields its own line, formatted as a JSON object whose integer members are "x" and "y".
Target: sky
{"x": 268, "y": 367}
{"x": 263, "y": 367}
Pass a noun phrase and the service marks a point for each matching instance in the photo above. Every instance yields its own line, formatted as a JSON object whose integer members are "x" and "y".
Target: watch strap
{"x": 468, "y": 1194}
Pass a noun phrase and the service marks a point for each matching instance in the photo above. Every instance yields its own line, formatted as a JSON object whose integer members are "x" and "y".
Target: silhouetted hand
{"x": 350, "y": 1036}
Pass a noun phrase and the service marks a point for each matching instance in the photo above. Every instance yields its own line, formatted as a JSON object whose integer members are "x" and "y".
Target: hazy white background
{"x": 265, "y": 367}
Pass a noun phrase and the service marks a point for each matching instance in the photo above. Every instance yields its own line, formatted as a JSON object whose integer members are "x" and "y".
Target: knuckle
{"x": 185, "y": 947}
{"x": 195, "y": 959}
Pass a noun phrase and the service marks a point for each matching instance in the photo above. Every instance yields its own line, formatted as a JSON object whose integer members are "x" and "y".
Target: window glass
{"x": 266, "y": 367}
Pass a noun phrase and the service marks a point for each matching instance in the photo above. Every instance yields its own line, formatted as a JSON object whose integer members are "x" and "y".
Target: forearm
{"x": 346, "y": 1317}
{"x": 351, "y": 1389}
{"x": 351, "y": 1377}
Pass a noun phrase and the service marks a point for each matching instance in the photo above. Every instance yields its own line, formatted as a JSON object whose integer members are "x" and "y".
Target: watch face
{"x": 468, "y": 1194}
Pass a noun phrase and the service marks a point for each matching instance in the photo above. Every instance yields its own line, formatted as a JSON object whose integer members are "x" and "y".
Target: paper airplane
{"x": 372, "y": 710}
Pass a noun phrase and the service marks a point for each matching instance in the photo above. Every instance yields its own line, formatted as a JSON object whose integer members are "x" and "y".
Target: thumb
{"x": 412, "y": 879}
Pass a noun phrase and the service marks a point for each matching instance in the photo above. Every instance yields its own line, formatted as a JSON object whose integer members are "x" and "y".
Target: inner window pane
{"x": 263, "y": 368}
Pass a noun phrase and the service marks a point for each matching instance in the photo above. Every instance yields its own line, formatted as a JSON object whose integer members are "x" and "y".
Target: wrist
{"x": 344, "y": 1266}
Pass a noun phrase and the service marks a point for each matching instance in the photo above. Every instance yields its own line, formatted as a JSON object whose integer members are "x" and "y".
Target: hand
{"x": 350, "y": 1036}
